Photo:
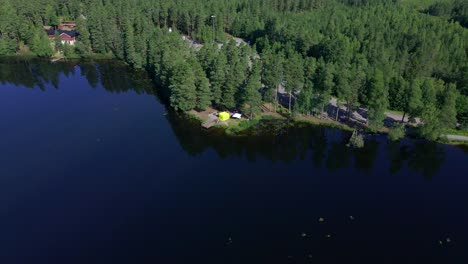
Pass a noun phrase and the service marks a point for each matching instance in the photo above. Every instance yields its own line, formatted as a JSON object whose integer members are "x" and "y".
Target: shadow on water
{"x": 271, "y": 140}
{"x": 324, "y": 147}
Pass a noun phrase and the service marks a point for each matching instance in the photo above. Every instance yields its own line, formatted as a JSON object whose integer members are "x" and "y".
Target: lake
{"x": 94, "y": 168}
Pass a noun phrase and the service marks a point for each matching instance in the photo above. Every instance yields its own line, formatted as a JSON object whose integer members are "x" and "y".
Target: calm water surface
{"x": 95, "y": 169}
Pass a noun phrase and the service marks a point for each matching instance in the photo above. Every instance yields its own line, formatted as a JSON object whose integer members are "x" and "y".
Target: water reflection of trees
{"x": 324, "y": 147}
{"x": 112, "y": 75}
{"x": 33, "y": 73}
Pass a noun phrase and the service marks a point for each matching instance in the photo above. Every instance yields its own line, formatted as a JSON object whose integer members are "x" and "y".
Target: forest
{"x": 406, "y": 56}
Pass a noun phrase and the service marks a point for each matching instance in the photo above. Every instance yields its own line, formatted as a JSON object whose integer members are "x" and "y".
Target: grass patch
{"x": 237, "y": 126}
{"x": 194, "y": 116}
{"x": 396, "y": 112}
{"x": 324, "y": 123}
{"x": 455, "y": 142}
{"x": 236, "y": 129}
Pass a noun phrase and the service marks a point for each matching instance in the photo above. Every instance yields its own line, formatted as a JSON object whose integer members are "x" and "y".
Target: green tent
{"x": 223, "y": 116}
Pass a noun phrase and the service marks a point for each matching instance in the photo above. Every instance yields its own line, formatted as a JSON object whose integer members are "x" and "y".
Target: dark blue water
{"x": 95, "y": 169}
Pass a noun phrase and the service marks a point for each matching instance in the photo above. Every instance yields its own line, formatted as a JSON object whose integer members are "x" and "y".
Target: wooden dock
{"x": 55, "y": 59}
{"x": 210, "y": 123}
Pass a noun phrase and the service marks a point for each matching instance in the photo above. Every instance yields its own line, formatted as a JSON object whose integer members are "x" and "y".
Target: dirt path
{"x": 457, "y": 138}
{"x": 361, "y": 115}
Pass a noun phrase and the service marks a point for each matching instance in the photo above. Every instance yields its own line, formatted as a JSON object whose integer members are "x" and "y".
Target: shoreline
{"x": 234, "y": 128}
{"x": 94, "y": 56}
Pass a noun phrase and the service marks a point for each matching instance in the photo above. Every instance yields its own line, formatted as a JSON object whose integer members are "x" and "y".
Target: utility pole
{"x": 213, "y": 26}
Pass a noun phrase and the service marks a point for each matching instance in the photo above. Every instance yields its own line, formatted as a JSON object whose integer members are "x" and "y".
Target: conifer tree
{"x": 323, "y": 84}
{"x": 41, "y": 44}
{"x": 83, "y": 44}
{"x": 414, "y": 100}
{"x": 96, "y": 28}
{"x": 431, "y": 128}
{"x": 218, "y": 78}
{"x": 57, "y": 42}
{"x": 131, "y": 55}
{"x": 378, "y": 101}
{"x": 252, "y": 98}
{"x": 448, "y": 112}
{"x": 293, "y": 74}
{"x": 202, "y": 85}
{"x": 8, "y": 25}
{"x": 272, "y": 74}
{"x": 182, "y": 86}
{"x": 306, "y": 100}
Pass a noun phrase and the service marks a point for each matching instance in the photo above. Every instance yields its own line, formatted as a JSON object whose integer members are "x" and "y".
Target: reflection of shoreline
{"x": 325, "y": 147}
{"x": 113, "y": 75}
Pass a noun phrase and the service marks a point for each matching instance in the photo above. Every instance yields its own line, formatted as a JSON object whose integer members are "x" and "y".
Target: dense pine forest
{"x": 408, "y": 56}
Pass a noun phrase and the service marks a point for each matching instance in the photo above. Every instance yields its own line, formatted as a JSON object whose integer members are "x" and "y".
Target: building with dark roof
{"x": 66, "y": 36}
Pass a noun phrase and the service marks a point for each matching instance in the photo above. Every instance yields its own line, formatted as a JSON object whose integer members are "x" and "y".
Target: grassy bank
{"x": 236, "y": 127}
{"x": 458, "y": 132}
{"x": 321, "y": 122}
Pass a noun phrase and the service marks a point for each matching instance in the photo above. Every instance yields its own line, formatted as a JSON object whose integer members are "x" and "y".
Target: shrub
{"x": 397, "y": 132}
{"x": 356, "y": 140}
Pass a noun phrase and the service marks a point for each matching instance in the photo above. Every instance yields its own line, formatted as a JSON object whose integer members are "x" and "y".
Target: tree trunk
{"x": 337, "y": 111}
{"x": 276, "y": 99}
{"x": 323, "y": 109}
{"x": 348, "y": 108}
{"x": 403, "y": 119}
{"x": 290, "y": 95}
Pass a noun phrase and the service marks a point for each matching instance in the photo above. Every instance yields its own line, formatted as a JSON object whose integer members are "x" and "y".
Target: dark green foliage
{"x": 236, "y": 70}
{"x": 378, "y": 101}
{"x": 439, "y": 111}
{"x": 57, "y": 42}
{"x": 456, "y": 10}
{"x": 431, "y": 129}
{"x": 40, "y": 44}
{"x": 412, "y": 99}
{"x": 202, "y": 85}
{"x": 356, "y": 140}
{"x": 323, "y": 83}
{"x": 96, "y": 26}
{"x": 131, "y": 56}
{"x": 252, "y": 98}
{"x": 217, "y": 77}
{"x": 462, "y": 111}
{"x": 448, "y": 114}
{"x": 8, "y": 28}
{"x": 293, "y": 74}
{"x": 182, "y": 86}
{"x": 397, "y": 132}
{"x": 83, "y": 44}
{"x": 306, "y": 103}
{"x": 272, "y": 73}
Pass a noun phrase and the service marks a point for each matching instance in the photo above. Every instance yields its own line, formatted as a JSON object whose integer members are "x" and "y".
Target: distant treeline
{"x": 378, "y": 54}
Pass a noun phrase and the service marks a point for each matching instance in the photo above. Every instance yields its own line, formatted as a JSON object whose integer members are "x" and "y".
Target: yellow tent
{"x": 223, "y": 116}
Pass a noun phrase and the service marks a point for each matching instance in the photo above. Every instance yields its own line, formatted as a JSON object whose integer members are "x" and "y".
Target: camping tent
{"x": 223, "y": 116}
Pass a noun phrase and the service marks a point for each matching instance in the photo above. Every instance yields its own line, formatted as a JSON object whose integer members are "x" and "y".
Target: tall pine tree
{"x": 378, "y": 101}
{"x": 252, "y": 100}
